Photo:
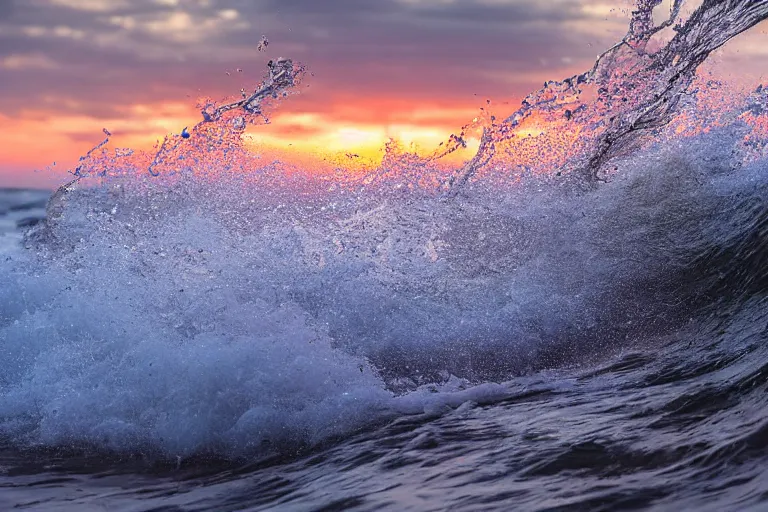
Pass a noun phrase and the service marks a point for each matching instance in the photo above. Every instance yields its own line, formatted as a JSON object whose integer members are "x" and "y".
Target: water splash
{"x": 226, "y": 133}
{"x": 631, "y": 90}
{"x": 259, "y": 303}
{"x": 217, "y": 138}
{"x": 572, "y": 128}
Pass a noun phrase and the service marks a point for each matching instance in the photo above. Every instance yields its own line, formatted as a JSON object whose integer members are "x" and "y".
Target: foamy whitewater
{"x": 575, "y": 319}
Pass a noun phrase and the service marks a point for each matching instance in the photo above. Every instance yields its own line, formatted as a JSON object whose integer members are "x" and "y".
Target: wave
{"x": 196, "y": 301}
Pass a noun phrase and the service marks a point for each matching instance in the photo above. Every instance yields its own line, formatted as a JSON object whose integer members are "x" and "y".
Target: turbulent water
{"x": 574, "y": 320}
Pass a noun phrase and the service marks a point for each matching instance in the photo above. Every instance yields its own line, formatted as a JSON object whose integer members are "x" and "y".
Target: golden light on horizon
{"x": 295, "y": 137}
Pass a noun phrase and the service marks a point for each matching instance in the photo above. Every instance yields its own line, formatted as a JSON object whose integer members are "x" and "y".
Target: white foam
{"x": 206, "y": 319}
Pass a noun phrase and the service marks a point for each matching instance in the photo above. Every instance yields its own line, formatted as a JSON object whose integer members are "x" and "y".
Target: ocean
{"x": 575, "y": 319}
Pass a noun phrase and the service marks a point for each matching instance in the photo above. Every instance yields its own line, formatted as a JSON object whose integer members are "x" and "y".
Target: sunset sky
{"x": 416, "y": 70}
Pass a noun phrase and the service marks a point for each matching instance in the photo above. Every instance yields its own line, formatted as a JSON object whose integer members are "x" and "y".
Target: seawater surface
{"x": 573, "y": 320}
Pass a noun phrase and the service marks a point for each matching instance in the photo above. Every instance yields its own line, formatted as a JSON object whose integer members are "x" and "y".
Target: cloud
{"x": 91, "y": 5}
{"x": 6, "y": 9}
{"x": 94, "y": 57}
{"x": 27, "y": 61}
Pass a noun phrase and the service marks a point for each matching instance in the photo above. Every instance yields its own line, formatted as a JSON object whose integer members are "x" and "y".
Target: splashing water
{"x": 194, "y": 300}
{"x": 631, "y": 90}
{"x": 578, "y": 124}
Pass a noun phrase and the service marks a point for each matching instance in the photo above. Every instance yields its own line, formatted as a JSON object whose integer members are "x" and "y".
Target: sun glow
{"x": 295, "y": 137}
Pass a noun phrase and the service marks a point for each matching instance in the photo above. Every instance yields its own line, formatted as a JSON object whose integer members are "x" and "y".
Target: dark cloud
{"x": 144, "y": 50}
{"x": 6, "y": 9}
{"x": 514, "y": 12}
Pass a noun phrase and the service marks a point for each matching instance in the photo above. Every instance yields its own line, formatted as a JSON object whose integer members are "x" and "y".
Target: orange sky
{"x": 415, "y": 70}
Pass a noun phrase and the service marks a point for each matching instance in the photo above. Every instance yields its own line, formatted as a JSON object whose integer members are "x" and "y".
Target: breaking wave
{"x": 196, "y": 301}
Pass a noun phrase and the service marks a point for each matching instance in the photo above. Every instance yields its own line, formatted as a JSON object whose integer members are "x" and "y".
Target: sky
{"x": 416, "y": 70}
